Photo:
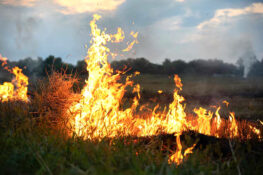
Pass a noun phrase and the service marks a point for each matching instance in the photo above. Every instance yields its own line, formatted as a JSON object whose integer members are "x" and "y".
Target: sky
{"x": 174, "y": 29}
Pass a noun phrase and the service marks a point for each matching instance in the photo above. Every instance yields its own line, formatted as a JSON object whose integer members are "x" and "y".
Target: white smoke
{"x": 247, "y": 60}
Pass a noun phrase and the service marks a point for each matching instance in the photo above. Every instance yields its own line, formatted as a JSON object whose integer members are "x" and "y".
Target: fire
{"x": 233, "y": 127}
{"x": 135, "y": 41}
{"x": 178, "y": 157}
{"x": 17, "y": 90}
{"x": 99, "y": 113}
{"x": 204, "y": 117}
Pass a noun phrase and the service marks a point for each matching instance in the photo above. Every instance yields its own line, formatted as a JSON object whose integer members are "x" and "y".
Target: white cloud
{"x": 69, "y": 6}
{"x": 82, "y": 6}
{"x": 172, "y": 23}
{"x": 28, "y": 3}
{"x": 179, "y": 0}
{"x": 223, "y": 15}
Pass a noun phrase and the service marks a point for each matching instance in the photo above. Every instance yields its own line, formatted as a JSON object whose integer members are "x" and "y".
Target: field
{"x": 244, "y": 95}
{"x": 32, "y": 141}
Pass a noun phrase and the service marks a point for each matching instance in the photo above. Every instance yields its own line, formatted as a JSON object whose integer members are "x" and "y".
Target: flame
{"x": 178, "y": 157}
{"x": 17, "y": 90}
{"x": 233, "y": 125}
{"x": 135, "y": 41}
{"x": 256, "y": 131}
{"x": 204, "y": 117}
{"x": 226, "y": 102}
{"x": 119, "y": 36}
{"x": 99, "y": 112}
{"x": 6, "y": 91}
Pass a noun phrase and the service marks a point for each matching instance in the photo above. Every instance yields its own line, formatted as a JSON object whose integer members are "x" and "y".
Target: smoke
{"x": 247, "y": 60}
{"x": 25, "y": 31}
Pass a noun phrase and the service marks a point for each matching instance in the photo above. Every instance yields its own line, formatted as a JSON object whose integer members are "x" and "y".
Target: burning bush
{"x": 53, "y": 97}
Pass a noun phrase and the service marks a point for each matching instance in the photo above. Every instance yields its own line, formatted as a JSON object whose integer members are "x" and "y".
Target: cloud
{"x": 171, "y": 23}
{"x": 228, "y": 34}
{"x": 27, "y": 3}
{"x": 68, "y": 6}
{"x": 179, "y": 0}
{"x": 223, "y": 15}
{"x": 82, "y": 6}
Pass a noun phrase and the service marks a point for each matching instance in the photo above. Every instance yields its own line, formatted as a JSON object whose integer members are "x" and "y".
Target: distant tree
{"x": 211, "y": 67}
{"x": 175, "y": 67}
{"x": 81, "y": 67}
{"x": 39, "y": 67}
{"x": 139, "y": 64}
{"x": 256, "y": 70}
{"x": 31, "y": 66}
{"x": 167, "y": 66}
{"x": 52, "y": 63}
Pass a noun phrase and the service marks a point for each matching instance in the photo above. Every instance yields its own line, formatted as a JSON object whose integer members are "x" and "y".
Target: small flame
{"x": 135, "y": 41}
{"x": 256, "y": 131}
{"x": 226, "y": 102}
{"x": 17, "y": 90}
{"x": 119, "y": 36}
{"x": 178, "y": 157}
{"x": 233, "y": 125}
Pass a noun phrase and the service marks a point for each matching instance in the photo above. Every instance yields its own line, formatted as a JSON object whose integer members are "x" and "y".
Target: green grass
{"x": 32, "y": 144}
{"x": 36, "y": 149}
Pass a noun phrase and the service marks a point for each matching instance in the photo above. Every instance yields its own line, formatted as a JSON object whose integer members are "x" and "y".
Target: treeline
{"x": 196, "y": 67}
{"x": 213, "y": 67}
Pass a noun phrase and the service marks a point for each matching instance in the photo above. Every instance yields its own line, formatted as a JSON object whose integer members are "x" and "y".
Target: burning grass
{"x": 53, "y": 98}
{"x": 35, "y": 149}
{"x": 31, "y": 146}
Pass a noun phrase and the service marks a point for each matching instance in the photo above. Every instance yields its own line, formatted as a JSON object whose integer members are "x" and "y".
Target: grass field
{"x": 245, "y": 95}
{"x": 32, "y": 143}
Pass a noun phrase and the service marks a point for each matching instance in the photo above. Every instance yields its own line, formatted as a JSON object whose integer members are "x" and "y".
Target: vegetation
{"x": 32, "y": 149}
{"x": 34, "y": 138}
{"x": 213, "y": 67}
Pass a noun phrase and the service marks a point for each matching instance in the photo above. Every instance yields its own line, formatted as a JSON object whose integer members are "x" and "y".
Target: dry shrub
{"x": 53, "y": 98}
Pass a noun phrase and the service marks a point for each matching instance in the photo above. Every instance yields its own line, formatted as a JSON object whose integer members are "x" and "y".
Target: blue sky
{"x": 175, "y": 29}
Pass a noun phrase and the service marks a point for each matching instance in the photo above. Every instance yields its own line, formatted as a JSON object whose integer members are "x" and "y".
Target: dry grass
{"x": 53, "y": 98}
